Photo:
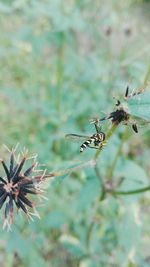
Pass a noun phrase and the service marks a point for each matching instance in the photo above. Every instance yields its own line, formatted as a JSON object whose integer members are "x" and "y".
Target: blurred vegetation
{"x": 61, "y": 64}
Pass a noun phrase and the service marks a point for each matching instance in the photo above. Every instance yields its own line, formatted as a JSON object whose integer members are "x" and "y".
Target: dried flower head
{"x": 121, "y": 115}
{"x": 18, "y": 184}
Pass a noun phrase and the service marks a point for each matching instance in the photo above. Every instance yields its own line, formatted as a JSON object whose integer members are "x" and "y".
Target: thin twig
{"x": 97, "y": 154}
{"x": 131, "y": 192}
{"x": 90, "y": 163}
{"x": 114, "y": 162}
{"x": 109, "y": 134}
{"x": 103, "y": 190}
{"x": 60, "y": 70}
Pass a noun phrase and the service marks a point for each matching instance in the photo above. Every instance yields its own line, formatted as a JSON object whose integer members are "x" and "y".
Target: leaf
{"x": 129, "y": 233}
{"x": 24, "y": 248}
{"x": 56, "y": 219}
{"x": 73, "y": 245}
{"x": 135, "y": 176}
{"x": 139, "y": 106}
{"x": 88, "y": 194}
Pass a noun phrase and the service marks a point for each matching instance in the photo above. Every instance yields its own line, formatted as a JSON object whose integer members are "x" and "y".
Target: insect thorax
{"x": 99, "y": 137}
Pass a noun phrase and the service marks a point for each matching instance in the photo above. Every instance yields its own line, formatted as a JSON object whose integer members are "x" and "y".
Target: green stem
{"x": 131, "y": 192}
{"x": 97, "y": 154}
{"x": 60, "y": 69}
{"x": 68, "y": 171}
{"x": 109, "y": 134}
{"x": 103, "y": 190}
{"x": 114, "y": 162}
{"x": 89, "y": 231}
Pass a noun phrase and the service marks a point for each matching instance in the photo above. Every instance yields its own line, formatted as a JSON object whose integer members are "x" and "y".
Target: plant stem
{"x": 90, "y": 163}
{"x": 97, "y": 154}
{"x": 109, "y": 134}
{"x": 103, "y": 190}
{"x": 131, "y": 192}
{"x": 114, "y": 162}
{"x": 60, "y": 69}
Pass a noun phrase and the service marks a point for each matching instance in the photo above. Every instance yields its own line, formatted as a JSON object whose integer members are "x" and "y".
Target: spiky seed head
{"x": 17, "y": 185}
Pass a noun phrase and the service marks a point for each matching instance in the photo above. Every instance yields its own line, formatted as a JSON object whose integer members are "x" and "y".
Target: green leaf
{"x": 23, "y": 248}
{"x": 73, "y": 245}
{"x": 134, "y": 178}
{"x": 139, "y": 106}
{"x": 88, "y": 194}
{"x": 129, "y": 233}
{"x": 56, "y": 219}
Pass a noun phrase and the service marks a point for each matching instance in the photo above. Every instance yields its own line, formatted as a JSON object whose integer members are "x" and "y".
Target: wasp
{"x": 95, "y": 141}
{"x": 121, "y": 113}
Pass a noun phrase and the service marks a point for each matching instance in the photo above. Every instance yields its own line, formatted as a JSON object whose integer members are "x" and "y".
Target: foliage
{"x": 61, "y": 64}
{"x": 139, "y": 106}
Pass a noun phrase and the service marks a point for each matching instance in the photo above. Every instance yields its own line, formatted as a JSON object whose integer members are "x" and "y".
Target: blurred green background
{"x": 61, "y": 63}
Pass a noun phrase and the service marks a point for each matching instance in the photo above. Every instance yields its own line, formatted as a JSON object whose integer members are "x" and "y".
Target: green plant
{"x": 61, "y": 64}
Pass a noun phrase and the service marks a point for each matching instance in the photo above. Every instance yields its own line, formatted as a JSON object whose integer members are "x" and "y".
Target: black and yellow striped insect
{"x": 95, "y": 141}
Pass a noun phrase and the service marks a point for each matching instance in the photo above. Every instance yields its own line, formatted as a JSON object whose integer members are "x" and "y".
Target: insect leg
{"x": 99, "y": 148}
{"x": 106, "y": 118}
{"x": 98, "y": 128}
{"x": 93, "y": 147}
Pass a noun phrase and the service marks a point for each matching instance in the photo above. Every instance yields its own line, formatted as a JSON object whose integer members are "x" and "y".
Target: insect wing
{"x": 77, "y": 138}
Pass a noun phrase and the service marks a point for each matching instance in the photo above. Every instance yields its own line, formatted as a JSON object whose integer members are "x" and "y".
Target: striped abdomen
{"x": 85, "y": 144}
{"x": 96, "y": 140}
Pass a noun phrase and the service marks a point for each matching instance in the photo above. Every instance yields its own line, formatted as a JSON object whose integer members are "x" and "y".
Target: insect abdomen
{"x": 85, "y": 144}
